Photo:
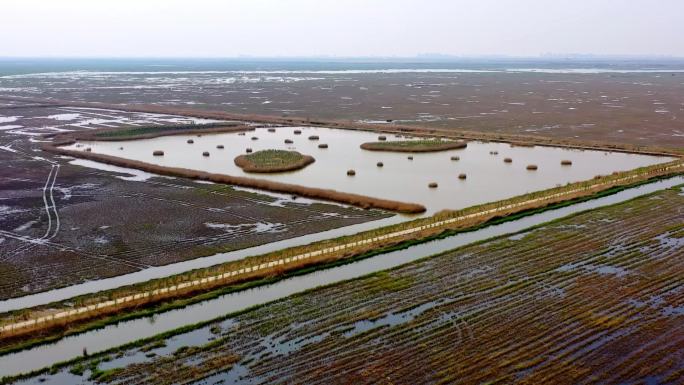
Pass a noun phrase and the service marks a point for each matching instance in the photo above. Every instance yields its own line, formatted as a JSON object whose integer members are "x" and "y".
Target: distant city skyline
{"x": 346, "y": 29}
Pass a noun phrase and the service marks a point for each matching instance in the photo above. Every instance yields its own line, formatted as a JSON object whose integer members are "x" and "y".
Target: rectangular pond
{"x": 488, "y": 177}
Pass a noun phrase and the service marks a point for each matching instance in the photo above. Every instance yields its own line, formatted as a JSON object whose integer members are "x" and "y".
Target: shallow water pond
{"x": 489, "y": 178}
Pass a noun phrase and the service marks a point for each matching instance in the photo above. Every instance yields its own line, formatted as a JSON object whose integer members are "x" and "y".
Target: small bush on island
{"x": 428, "y": 145}
{"x": 268, "y": 161}
{"x": 158, "y": 153}
{"x": 532, "y": 167}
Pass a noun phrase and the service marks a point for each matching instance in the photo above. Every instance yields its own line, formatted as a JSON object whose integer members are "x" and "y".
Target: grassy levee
{"x": 148, "y": 132}
{"x": 215, "y": 293}
{"x": 198, "y": 284}
{"x": 426, "y": 145}
{"x": 309, "y": 192}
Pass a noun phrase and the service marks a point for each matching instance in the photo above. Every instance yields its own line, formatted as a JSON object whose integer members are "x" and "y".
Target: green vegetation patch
{"x": 273, "y": 161}
{"x": 151, "y": 130}
{"x": 426, "y": 145}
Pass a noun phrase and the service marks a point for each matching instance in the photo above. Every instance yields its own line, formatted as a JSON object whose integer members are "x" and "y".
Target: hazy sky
{"x": 339, "y": 27}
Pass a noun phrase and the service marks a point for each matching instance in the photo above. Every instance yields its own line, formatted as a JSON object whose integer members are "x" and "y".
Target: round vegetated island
{"x": 427, "y": 145}
{"x": 269, "y": 161}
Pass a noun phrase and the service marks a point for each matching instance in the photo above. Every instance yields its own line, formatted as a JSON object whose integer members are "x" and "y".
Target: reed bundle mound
{"x": 532, "y": 167}
{"x": 190, "y": 141}
{"x": 158, "y": 153}
{"x": 462, "y": 176}
{"x": 219, "y": 146}
{"x": 323, "y": 145}
{"x": 268, "y": 161}
{"x": 432, "y": 185}
{"x": 313, "y": 137}
{"x": 430, "y": 145}
{"x": 288, "y": 141}
{"x": 297, "y": 132}
{"x": 379, "y": 164}
{"x": 508, "y": 160}
{"x": 566, "y": 162}
{"x": 455, "y": 158}
{"x": 205, "y": 153}
{"x": 351, "y": 172}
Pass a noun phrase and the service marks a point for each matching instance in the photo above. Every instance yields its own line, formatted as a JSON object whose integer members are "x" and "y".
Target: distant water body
{"x": 18, "y": 66}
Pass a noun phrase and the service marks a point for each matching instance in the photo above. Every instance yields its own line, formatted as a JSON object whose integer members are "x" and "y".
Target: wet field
{"x": 548, "y": 283}
{"x": 625, "y": 102}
